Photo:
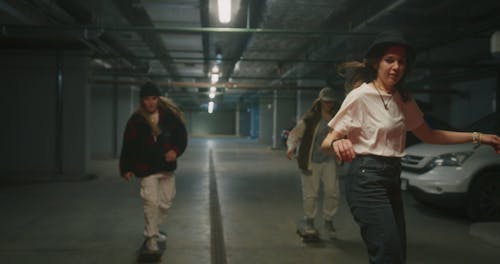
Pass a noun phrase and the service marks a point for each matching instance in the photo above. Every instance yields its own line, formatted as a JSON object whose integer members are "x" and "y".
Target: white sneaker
{"x": 161, "y": 237}
{"x": 309, "y": 227}
{"x": 152, "y": 244}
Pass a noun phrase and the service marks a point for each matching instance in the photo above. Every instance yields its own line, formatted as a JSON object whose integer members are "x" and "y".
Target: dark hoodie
{"x": 143, "y": 153}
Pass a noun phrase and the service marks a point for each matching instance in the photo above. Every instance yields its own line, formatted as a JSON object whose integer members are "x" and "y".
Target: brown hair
{"x": 356, "y": 72}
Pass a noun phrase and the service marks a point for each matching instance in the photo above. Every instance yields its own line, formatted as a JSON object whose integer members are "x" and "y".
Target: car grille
{"x": 416, "y": 164}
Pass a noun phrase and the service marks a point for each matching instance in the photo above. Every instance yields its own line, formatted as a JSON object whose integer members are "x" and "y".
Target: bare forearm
{"x": 428, "y": 135}
{"x": 447, "y": 137}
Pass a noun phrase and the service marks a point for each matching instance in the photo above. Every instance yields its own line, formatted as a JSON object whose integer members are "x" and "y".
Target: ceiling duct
{"x": 311, "y": 83}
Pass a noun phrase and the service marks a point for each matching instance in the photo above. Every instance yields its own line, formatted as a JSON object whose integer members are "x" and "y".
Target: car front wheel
{"x": 483, "y": 202}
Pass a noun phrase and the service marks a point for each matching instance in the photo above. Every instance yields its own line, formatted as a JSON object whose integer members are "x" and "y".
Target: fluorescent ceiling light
{"x": 213, "y": 89}
{"x": 103, "y": 63}
{"x": 211, "y": 95}
{"x": 215, "y": 77}
{"x": 224, "y": 10}
{"x": 210, "y": 107}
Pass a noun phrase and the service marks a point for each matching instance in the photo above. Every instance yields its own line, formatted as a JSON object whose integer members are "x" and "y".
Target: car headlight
{"x": 451, "y": 159}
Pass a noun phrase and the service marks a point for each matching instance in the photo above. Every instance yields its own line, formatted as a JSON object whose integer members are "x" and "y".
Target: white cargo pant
{"x": 321, "y": 172}
{"x": 157, "y": 192}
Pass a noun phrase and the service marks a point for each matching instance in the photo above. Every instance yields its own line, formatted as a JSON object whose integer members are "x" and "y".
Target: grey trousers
{"x": 325, "y": 172}
{"x": 373, "y": 193}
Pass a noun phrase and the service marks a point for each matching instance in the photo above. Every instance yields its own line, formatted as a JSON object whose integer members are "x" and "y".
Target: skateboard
{"x": 307, "y": 237}
{"x": 146, "y": 256}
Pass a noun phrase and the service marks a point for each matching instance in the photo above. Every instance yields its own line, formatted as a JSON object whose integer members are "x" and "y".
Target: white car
{"x": 455, "y": 176}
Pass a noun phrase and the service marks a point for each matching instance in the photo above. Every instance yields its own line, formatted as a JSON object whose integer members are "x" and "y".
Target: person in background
{"x": 369, "y": 132}
{"x": 154, "y": 138}
{"x": 316, "y": 167}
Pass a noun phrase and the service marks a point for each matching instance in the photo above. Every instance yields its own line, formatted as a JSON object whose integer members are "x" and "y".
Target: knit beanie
{"x": 149, "y": 89}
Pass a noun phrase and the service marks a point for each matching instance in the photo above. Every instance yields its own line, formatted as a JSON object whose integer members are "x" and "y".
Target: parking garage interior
{"x": 71, "y": 72}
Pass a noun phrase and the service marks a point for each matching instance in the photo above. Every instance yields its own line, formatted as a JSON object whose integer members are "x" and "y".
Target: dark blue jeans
{"x": 374, "y": 195}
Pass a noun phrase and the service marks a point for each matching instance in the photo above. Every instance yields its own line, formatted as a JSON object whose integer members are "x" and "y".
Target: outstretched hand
{"x": 492, "y": 140}
{"x": 344, "y": 150}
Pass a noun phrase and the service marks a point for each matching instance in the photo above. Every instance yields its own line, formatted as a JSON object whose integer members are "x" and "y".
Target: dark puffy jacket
{"x": 144, "y": 156}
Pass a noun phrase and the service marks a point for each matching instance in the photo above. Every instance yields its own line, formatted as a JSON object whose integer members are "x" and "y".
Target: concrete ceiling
{"x": 273, "y": 44}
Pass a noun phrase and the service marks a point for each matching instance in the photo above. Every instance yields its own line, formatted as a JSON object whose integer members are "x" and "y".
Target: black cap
{"x": 391, "y": 37}
{"x": 149, "y": 89}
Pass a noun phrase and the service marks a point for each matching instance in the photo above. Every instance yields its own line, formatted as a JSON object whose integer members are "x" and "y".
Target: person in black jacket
{"x": 155, "y": 136}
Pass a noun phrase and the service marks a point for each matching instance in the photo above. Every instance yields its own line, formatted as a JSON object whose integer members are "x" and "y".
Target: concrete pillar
{"x": 275, "y": 135}
{"x": 254, "y": 119}
{"x": 237, "y": 120}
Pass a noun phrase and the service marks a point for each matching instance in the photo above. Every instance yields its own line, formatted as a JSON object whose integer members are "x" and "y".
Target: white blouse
{"x": 371, "y": 128}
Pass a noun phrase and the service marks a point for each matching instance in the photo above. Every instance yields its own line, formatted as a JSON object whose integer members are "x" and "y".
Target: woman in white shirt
{"x": 369, "y": 131}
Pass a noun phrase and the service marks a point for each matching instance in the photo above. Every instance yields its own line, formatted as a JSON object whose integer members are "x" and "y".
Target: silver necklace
{"x": 386, "y": 104}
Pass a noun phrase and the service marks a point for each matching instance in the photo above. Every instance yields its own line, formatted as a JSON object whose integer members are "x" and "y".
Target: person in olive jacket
{"x": 305, "y": 140}
{"x": 155, "y": 136}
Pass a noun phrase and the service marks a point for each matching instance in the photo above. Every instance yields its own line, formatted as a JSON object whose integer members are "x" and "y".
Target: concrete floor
{"x": 237, "y": 202}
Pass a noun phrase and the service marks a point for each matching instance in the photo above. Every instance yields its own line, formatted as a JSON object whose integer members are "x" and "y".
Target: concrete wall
{"x": 245, "y": 123}
{"x": 476, "y": 99}
{"x": 41, "y": 133}
{"x": 286, "y": 113}
{"x": 112, "y": 105}
{"x": 470, "y": 101}
{"x": 265, "y": 118}
{"x": 218, "y": 123}
{"x": 254, "y": 119}
{"x": 277, "y": 109}
{"x": 102, "y": 117}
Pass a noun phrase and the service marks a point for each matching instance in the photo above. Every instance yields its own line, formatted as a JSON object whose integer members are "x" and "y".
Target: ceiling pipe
{"x": 228, "y": 85}
{"x": 189, "y": 60}
{"x": 200, "y": 77}
{"x": 191, "y": 30}
{"x": 205, "y": 38}
{"x": 208, "y": 58}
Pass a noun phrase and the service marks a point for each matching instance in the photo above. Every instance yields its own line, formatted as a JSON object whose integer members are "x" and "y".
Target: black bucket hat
{"x": 149, "y": 89}
{"x": 391, "y": 37}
